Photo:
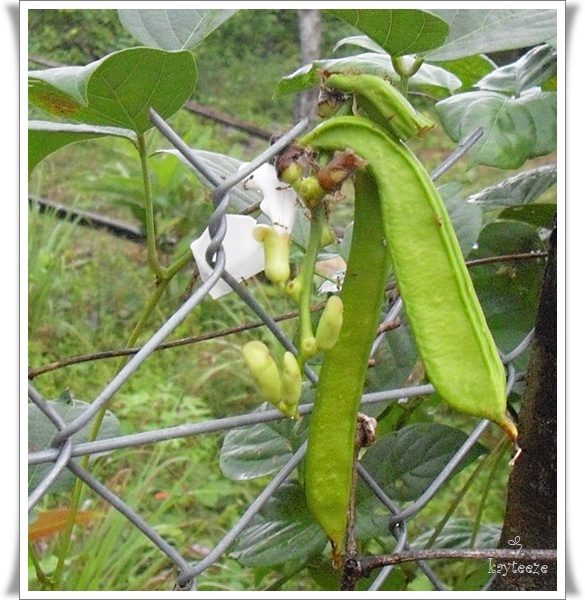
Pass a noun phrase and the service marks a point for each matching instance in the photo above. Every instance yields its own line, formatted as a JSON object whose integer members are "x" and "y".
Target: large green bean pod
{"x": 448, "y": 325}
{"x": 341, "y": 379}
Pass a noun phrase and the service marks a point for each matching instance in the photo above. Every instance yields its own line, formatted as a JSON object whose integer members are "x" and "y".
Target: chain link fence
{"x": 63, "y": 448}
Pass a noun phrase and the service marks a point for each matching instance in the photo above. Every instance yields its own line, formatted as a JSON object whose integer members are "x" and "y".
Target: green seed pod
{"x": 264, "y": 370}
{"x": 330, "y": 324}
{"x": 396, "y": 203}
{"x": 382, "y": 103}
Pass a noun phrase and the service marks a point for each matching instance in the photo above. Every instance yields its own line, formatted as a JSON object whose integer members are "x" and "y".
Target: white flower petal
{"x": 244, "y": 254}
{"x": 279, "y": 203}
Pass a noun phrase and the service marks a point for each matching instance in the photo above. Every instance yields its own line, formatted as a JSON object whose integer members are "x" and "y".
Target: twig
{"x": 364, "y": 565}
{"x": 365, "y": 435}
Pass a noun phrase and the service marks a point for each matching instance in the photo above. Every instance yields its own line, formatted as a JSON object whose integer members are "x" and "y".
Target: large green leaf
{"x": 480, "y": 31}
{"x": 538, "y": 214}
{"x": 399, "y": 32}
{"x": 531, "y": 70}
{"x": 519, "y": 189}
{"x": 283, "y": 532}
{"x": 460, "y": 533}
{"x": 177, "y": 29}
{"x": 515, "y": 129}
{"x": 46, "y": 137}
{"x": 256, "y": 450}
{"x": 508, "y": 291}
{"x": 41, "y": 431}
{"x": 465, "y": 216}
{"x": 469, "y": 69}
{"x": 404, "y": 463}
{"x": 118, "y": 90}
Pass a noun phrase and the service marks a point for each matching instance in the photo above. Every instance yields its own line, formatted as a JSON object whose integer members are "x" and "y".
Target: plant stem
{"x": 306, "y": 277}
{"x": 404, "y": 72}
{"x": 152, "y": 255}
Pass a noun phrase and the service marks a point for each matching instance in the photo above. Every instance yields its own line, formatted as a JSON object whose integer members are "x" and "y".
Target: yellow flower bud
{"x": 276, "y": 252}
{"x": 292, "y": 380}
{"x": 310, "y": 191}
{"x": 291, "y": 174}
{"x": 330, "y": 324}
{"x": 309, "y": 346}
{"x": 264, "y": 370}
{"x": 293, "y": 289}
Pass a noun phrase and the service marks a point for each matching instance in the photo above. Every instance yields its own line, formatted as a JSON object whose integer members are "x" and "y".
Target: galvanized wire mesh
{"x": 63, "y": 449}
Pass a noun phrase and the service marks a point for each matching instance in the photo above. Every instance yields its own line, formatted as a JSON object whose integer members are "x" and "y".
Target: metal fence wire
{"x": 63, "y": 449}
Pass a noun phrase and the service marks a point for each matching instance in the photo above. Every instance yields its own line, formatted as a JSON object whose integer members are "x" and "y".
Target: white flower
{"x": 244, "y": 254}
{"x": 244, "y": 249}
{"x": 279, "y": 199}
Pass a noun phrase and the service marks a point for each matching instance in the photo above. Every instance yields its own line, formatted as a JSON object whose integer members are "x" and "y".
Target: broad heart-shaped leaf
{"x": 404, "y": 463}
{"x": 399, "y": 32}
{"x": 468, "y": 69}
{"x": 256, "y": 450}
{"x": 515, "y": 129}
{"x": 41, "y": 431}
{"x": 262, "y": 449}
{"x": 480, "y": 31}
{"x": 531, "y": 70}
{"x": 519, "y": 189}
{"x": 538, "y": 214}
{"x": 118, "y": 90}
{"x": 429, "y": 79}
{"x": 178, "y": 29}
{"x": 283, "y": 532}
{"x": 46, "y": 137}
{"x": 508, "y": 291}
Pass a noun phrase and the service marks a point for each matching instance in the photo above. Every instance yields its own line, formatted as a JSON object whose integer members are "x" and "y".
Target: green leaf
{"x": 519, "y": 189}
{"x": 361, "y": 41}
{"x": 283, "y": 532}
{"x": 429, "y": 79}
{"x": 118, "y": 90}
{"x": 255, "y": 451}
{"x": 482, "y": 31}
{"x": 263, "y": 449}
{"x": 534, "y": 68}
{"x": 399, "y": 32}
{"x": 515, "y": 129}
{"x": 539, "y": 215}
{"x": 508, "y": 291}
{"x": 458, "y": 534}
{"x": 41, "y": 431}
{"x": 224, "y": 166}
{"x": 172, "y": 29}
{"x": 46, "y": 137}
{"x": 469, "y": 69}
{"x": 465, "y": 216}
{"x": 404, "y": 463}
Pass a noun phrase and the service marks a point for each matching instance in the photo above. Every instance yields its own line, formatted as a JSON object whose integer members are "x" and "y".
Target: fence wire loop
{"x": 63, "y": 449}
